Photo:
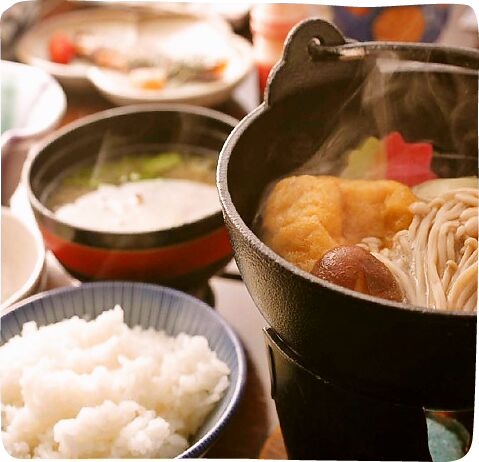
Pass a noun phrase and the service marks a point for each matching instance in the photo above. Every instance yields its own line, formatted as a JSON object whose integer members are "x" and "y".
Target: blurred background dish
{"x": 23, "y": 259}
{"x": 404, "y": 23}
{"x": 148, "y": 306}
{"x": 469, "y": 20}
{"x": 235, "y": 13}
{"x": 33, "y": 104}
{"x": 117, "y": 41}
{"x": 182, "y": 254}
{"x": 16, "y": 18}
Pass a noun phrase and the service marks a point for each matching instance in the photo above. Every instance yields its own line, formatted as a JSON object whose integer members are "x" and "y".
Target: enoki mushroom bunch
{"x": 435, "y": 259}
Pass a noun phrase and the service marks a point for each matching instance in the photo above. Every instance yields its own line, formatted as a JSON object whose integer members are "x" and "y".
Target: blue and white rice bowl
{"x": 145, "y": 305}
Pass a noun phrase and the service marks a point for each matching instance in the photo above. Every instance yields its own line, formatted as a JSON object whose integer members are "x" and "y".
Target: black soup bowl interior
{"x": 183, "y": 256}
{"x": 315, "y": 102}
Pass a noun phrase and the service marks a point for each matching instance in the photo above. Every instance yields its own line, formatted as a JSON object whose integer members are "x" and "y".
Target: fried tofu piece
{"x": 305, "y": 216}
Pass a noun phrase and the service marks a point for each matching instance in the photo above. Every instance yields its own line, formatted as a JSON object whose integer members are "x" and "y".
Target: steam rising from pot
{"x": 425, "y": 105}
{"x": 409, "y": 97}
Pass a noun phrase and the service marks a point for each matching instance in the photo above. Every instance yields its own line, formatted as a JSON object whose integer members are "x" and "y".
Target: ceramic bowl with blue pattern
{"x": 147, "y": 305}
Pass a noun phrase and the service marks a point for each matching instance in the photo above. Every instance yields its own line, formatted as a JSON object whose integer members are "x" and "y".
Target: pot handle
{"x": 422, "y": 52}
{"x": 316, "y": 41}
{"x": 296, "y": 66}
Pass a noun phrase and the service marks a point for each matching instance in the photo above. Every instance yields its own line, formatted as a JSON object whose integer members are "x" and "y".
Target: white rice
{"x": 99, "y": 389}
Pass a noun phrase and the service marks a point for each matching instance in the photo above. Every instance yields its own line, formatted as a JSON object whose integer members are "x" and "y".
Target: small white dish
{"x": 33, "y": 104}
{"x": 23, "y": 260}
{"x": 145, "y": 33}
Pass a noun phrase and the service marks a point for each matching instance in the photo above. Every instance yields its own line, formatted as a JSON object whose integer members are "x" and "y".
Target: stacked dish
{"x": 33, "y": 104}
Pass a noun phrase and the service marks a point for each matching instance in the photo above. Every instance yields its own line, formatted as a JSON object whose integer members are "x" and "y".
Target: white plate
{"x": 234, "y": 11}
{"x": 186, "y": 34}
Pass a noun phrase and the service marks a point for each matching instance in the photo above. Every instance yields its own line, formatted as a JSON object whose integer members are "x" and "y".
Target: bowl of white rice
{"x": 116, "y": 370}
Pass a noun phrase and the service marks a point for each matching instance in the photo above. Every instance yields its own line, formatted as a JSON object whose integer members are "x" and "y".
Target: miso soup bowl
{"x": 184, "y": 257}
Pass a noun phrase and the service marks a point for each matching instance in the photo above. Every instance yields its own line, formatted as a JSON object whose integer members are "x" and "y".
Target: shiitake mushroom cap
{"x": 357, "y": 269}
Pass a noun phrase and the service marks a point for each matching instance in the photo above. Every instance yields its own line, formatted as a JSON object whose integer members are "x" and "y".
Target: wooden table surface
{"x": 255, "y": 419}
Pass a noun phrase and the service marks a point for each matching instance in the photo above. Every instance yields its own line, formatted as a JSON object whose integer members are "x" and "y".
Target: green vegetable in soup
{"x": 133, "y": 167}
{"x": 124, "y": 169}
{"x": 156, "y": 165}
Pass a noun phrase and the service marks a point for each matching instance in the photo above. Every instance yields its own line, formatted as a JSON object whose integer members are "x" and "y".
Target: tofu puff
{"x": 379, "y": 237}
{"x": 306, "y": 216}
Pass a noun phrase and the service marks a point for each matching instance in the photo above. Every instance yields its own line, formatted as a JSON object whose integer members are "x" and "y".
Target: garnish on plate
{"x": 150, "y": 72}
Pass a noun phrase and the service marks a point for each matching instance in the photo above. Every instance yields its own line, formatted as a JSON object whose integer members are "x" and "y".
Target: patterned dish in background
{"x": 409, "y": 23}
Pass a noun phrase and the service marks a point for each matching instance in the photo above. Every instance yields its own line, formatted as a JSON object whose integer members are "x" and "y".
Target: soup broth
{"x": 137, "y": 193}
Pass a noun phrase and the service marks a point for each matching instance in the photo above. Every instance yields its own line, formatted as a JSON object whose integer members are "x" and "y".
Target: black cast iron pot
{"x": 315, "y": 96}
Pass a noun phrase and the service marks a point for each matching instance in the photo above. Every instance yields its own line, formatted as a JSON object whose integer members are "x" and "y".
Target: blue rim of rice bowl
{"x": 11, "y": 317}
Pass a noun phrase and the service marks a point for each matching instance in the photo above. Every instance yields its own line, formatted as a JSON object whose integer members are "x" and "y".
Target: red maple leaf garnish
{"x": 408, "y": 163}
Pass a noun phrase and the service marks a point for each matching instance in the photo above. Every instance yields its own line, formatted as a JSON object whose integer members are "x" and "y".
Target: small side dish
{"x": 33, "y": 105}
{"x": 23, "y": 259}
{"x": 148, "y": 70}
{"x": 132, "y": 56}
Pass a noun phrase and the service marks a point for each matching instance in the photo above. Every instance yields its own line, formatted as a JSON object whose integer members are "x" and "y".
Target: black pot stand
{"x": 321, "y": 420}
